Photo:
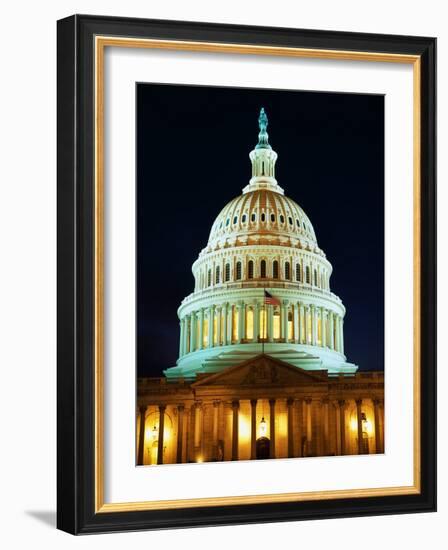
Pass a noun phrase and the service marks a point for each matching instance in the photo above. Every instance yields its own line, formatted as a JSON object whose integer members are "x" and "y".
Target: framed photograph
{"x": 246, "y": 274}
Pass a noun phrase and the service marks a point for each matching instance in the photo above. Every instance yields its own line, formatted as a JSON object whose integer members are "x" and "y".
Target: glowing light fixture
{"x": 263, "y": 427}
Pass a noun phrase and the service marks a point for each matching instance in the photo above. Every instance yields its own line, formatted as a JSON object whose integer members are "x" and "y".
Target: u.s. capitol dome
{"x": 262, "y": 285}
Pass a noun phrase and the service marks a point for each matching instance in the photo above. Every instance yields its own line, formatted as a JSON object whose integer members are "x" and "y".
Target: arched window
{"x": 315, "y": 277}
{"x": 238, "y": 270}
{"x": 253, "y": 217}
{"x": 209, "y": 277}
{"x": 235, "y": 219}
{"x": 282, "y": 218}
{"x": 217, "y": 275}
{"x": 263, "y": 217}
{"x": 227, "y": 273}
{"x": 290, "y": 220}
{"x": 227, "y": 221}
{"x": 272, "y": 218}
{"x": 307, "y": 275}
{"x": 243, "y": 219}
{"x": 250, "y": 270}
{"x": 298, "y": 272}
{"x": 263, "y": 269}
{"x": 287, "y": 271}
{"x": 275, "y": 269}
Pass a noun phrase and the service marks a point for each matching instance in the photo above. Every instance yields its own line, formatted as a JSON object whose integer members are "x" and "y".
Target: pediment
{"x": 262, "y": 370}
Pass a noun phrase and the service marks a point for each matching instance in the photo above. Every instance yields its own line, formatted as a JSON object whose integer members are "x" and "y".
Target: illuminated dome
{"x": 261, "y": 245}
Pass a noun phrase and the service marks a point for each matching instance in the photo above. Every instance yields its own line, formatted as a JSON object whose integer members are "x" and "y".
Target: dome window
{"x": 308, "y": 275}
{"x": 227, "y": 221}
{"x": 287, "y": 271}
{"x": 217, "y": 275}
{"x": 209, "y": 277}
{"x": 243, "y": 219}
{"x": 298, "y": 273}
{"x": 253, "y": 217}
{"x": 272, "y": 218}
{"x": 227, "y": 273}
{"x": 250, "y": 270}
{"x": 315, "y": 277}
{"x": 298, "y": 223}
{"x": 263, "y": 217}
{"x": 238, "y": 271}
{"x": 263, "y": 269}
{"x": 220, "y": 225}
{"x": 275, "y": 269}
{"x": 290, "y": 220}
{"x": 235, "y": 219}
{"x": 282, "y": 218}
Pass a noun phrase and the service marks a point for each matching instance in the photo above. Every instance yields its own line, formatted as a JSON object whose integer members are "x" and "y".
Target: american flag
{"x": 269, "y": 299}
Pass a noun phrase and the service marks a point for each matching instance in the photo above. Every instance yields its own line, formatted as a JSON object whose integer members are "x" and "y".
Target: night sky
{"x": 193, "y": 147}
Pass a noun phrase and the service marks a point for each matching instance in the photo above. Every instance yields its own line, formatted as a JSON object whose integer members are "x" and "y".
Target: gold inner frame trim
{"x": 101, "y": 42}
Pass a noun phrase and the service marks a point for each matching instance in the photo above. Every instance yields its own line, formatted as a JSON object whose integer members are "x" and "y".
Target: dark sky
{"x": 192, "y": 158}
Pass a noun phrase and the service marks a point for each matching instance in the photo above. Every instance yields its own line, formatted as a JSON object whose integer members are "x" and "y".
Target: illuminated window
{"x": 223, "y": 320}
{"x": 287, "y": 271}
{"x": 238, "y": 270}
{"x": 205, "y": 333}
{"x": 275, "y": 269}
{"x": 249, "y": 323}
{"x": 319, "y": 331}
{"x": 235, "y": 319}
{"x": 276, "y": 325}
{"x": 250, "y": 270}
{"x": 263, "y": 269}
{"x": 298, "y": 272}
{"x": 209, "y": 277}
{"x": 308, "y": 274}
{"x": 217, "y": 274}
{"x": 215, "y": 328}
{"x": 290, "y": 325}
{"x": 263, "y": 327}
{"x": 227, "y": 273}
{"x": 308, "y": 329}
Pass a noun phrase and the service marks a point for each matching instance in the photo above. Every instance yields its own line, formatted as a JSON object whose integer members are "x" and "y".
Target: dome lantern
{"x": 263, "y": 159}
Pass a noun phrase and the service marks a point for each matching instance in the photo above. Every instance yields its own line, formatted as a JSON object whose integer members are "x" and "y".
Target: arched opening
{"x": 250, "y": 270}
{"x": 227, "y": 273}
{"x": 275, "y": 269}
{"x": 263, "y": 269}
{"x": 238, "y": 271}
{"x": 287, "y": 271}
{"x": 217, "y": 275}
{"x": 262, "y": 448}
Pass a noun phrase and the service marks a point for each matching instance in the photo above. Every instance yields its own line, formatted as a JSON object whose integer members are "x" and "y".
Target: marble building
{"x": 261, "y": 371}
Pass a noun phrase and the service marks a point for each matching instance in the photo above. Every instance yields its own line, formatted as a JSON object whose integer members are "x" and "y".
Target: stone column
{"x": 341, "y": 404}
{"x": 272, "y": 426}
{"x": 359, "y": 421}
{"x": 180, "y": 433}
{"x": 256, "y": 321}
{"x": 296, "y": 323}
{"x": 141, "y": 438}
{"x": 341, "y": 334}
{"x": 331, "y": 328}
{"x": 253, "y": 429}
{"x": 241, "y": 321}
{"x": 313, "y": 325}
{"x": 201, "y": 328}
{"x": 161, "y": 433}
{"x": 229, "y": 323}
{"x": 215, "y": 428}
{"x": 218, "y": 326}
{"x": 284, "y": 321}
{"x": 323, "y": 327}
{"x": 301, "y": 325}
{"x": 270, "y": 320}
{"x": 326, "y": 426}
{"x": 181, "y": 338}
{"x": 192, "y": 331}
{"x": 376, "y": 413}
{"x": 211, "y": 314}
{"x": 224, "y": 324}
{"x": 307, "y": 316}
{"x": 309, "y": 429}
{"x": 290, "y": 406}
{"x": 235, "y": 409}
{"x": 299, "y": 427}
{"x": 197, "y": 427}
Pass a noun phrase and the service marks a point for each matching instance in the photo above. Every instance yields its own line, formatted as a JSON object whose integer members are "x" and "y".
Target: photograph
{"x": 259, "y": 274}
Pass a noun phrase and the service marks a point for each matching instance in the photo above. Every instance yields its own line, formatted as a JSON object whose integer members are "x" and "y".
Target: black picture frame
{"x": 76, "y": 261}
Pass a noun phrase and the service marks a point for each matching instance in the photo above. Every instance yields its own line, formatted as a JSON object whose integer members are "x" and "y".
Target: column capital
{"x": 290, "y": 401}
{"x": 253, "y": 402}
{"x": 142, "y": 409}
{"x": 235, "y": 403}
{"x": 181, "y": 407}
{"x": 285, "y": 302}
{"x": 341, "y": 402}
{"x": 272, "y": 402}
{"x": 162, "y": 408}
{"x": 325, "y": 400}
{"x": 358, "y": 401}
{"x": 308, "y": 400}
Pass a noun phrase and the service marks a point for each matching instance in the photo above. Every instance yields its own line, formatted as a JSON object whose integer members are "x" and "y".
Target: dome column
{"x": 256, "y": 321}
{"x": 313, "y": 325}
{"x": 218, "y": 326}
{"x": 181, "y": 338}
{"x": 284, "y": 322}
{"x": 296, "y": 323}
{"x": 301, "y": 323}
{"x": 331, "y": 319}
{"x": 323, "y": 327}
{"x": 192, "y": 332}
{"x": 241, "y": 321}
{"x": 201, "y": 329}
{"x": 224, "y": 325}
{"x": 307, "y": 317}
{"x": 210, "y": 326}
{"x": 341, "y": 322}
